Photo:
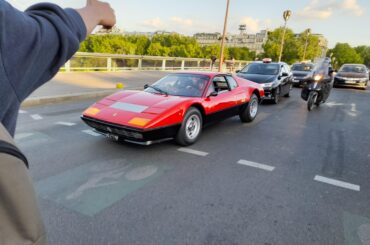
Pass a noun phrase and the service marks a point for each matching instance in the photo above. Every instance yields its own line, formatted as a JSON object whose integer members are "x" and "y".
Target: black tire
{"x": 276, "y": 95}
{"x": 183, "y": 138}
{"x": 311, "y": 100}
{"x": 287, "y": 95}
{"x": 250, "y": 111}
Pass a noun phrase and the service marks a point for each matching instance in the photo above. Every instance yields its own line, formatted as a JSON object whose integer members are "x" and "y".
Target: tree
{"x": 364, "y": 52}
{"x": 293, "y": 47}
{"x": 344, "y": 53}
{"x": 313, "y": 48}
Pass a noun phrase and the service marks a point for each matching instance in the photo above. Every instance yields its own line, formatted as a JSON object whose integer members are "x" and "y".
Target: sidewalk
{"x": 88, "y": 85}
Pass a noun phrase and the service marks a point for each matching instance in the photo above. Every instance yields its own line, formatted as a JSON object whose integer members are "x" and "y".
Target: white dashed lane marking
{"x": 91, "y": 132}
{"x": 194, "y": 152}
{"x": 256, "y": 165}
{"x": 36, "y": 117}
{"x": 68, "y": 124}
{"x": 22, "y": 112}
{"x": 337, "y": 183}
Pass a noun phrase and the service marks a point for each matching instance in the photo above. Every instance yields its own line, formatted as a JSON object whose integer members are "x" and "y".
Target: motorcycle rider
{"x": 319, "y": 83}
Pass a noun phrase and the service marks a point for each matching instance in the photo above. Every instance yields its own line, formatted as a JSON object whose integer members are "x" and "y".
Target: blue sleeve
{"x": 35, "y": 43}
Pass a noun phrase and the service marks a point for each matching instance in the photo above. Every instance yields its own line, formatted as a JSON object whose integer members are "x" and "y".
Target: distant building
{"x": 254, "y": 42}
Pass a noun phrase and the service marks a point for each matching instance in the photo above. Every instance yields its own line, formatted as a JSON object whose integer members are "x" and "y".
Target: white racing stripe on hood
{"x": 129, "y": 107}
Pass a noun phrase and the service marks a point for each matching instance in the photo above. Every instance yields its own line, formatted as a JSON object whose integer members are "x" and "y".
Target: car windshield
{"x": 353, "y": 69}
{"x": 187, "y": 85}
{"x": 302, "y": 67}
{"x": 261, "y": 69}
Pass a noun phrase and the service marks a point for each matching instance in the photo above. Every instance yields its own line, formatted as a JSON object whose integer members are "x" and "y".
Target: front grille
{"x": 114, "y": 130}
{"x": 299, "y": 75}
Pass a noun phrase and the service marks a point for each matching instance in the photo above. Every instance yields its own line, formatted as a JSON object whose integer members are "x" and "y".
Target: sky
{"x": 345, "y": 21}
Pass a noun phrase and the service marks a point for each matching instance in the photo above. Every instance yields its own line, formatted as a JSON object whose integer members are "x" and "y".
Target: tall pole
{"x": 224, "y": 37}
{"x": 308, "y": 32}
{"x": 286, "y": 16}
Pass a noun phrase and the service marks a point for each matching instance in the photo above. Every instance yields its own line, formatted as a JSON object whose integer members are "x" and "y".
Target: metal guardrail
{"x": 117, "y": 62}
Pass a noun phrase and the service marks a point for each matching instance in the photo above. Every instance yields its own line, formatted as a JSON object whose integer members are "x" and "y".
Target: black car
{"x": 275, "y": 77}
{"x": 352, "y": 75}
{"x": 300, "y": 72}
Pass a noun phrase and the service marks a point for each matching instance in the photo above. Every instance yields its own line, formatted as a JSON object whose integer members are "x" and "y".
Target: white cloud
{"x": 353, "y": 7}
{"x": 255, "y": 25}
{"x": 316, "y": 10}
{"x": 155, "y": 23}
{"x": 181, "y": 21}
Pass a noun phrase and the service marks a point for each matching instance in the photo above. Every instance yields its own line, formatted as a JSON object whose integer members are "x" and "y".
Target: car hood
{"x": 126, "y": 107}
{"x": 352, "y": 75}
{"x": 257, "y": 78}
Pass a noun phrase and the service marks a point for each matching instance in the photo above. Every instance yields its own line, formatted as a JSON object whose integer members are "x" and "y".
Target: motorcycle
{"x": 318, "y": 84}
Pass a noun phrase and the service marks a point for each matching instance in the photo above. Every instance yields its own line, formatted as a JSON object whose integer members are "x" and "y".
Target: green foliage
{"x": 344, "y": 53}
{"x": 171, "y": 45}
{"x": 293, "y": 47}
{"x": 364, "y": 52}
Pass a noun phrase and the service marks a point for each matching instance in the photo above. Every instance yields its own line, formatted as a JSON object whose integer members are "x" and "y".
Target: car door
{"x": 223, "y": 105}
{"x": 285, "y": 80}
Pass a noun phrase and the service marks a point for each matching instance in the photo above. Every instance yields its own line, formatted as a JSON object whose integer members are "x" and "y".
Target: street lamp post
{"x": 286, "y": 15}
{"x": 308, "y": 33}
{"x": 224, "y": 37}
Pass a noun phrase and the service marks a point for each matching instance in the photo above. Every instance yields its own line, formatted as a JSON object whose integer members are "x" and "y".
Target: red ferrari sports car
{"x": 177, "y": 107}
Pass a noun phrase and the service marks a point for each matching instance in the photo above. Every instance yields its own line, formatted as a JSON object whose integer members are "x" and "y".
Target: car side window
{"x": 232, "y": 83}
{"x": 220, "y": 84}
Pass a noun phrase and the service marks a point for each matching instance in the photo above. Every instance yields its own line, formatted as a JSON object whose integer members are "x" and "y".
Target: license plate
{"x": 351, "y": 82}
{"x": 295, "y": 81}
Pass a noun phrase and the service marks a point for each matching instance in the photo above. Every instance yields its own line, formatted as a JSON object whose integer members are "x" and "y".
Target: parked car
{"x": 275, "y": 77}
{"x": 352, "y": 75}
{"x": 175, "y": 107}
{"x": 300, "y": 72}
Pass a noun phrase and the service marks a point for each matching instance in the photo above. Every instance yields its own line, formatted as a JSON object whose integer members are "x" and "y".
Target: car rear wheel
{"x": 191, "y": 127}
{"x": 250, "y": 111}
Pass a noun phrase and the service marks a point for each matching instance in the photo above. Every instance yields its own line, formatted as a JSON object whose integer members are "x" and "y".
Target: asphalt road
{"x": 95, "y": 191}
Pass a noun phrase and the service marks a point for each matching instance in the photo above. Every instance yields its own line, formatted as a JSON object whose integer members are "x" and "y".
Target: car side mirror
{"x": 237, "y": 71}
{"x": 213, "y": 94}
{"x": 146, "y": 86}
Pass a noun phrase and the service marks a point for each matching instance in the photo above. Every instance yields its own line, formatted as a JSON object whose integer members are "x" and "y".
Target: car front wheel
{"x": 191, "y": 127}
{"x": 249, "y": 113}
{"x": 276, "y": 95}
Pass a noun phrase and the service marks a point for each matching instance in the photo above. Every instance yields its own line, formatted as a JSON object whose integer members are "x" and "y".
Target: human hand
{"x": 106, "y": 15}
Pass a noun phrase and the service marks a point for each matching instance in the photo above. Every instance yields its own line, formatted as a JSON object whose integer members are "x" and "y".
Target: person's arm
{"x": 34, "y": 44}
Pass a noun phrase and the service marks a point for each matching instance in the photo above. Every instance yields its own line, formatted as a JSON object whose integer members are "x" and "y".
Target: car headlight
{"x": 267, "y": 85}
{"x": 339, "y": 77}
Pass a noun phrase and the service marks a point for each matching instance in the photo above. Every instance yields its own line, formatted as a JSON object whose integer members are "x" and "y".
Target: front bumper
{"x": 269, "y": 94}
{"x": 298, "y": 81}
{"x": 350, "y": 83}
{"x": 130, "y": 134}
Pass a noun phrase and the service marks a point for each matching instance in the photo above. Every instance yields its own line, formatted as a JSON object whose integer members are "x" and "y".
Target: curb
{"x": 66, "y": 98}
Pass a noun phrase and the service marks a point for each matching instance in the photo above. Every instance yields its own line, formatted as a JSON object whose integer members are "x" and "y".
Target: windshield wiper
{"x": 158, "y": 89}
